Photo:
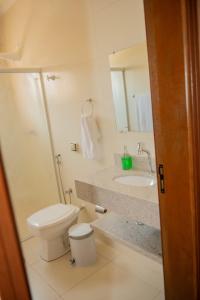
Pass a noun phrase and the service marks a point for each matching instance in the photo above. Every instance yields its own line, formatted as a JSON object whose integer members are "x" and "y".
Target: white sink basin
{"x": 136, "y": 180}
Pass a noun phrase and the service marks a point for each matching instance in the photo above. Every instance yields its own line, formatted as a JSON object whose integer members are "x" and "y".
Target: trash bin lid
{"x": 80, "y": 231}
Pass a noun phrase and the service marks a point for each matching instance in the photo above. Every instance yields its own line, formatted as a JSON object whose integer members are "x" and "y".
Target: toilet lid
{"x": 80, "y": 231}
{"x": 52, "y": 214}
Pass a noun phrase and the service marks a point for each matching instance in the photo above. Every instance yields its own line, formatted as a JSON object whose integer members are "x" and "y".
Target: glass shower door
{"x": 26, "y": 146}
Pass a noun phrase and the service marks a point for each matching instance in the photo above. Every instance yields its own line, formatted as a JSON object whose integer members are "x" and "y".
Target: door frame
{"x": 173, "y": 49}
{"x": 13, "y": 279}
{"x": 171, "y": 25}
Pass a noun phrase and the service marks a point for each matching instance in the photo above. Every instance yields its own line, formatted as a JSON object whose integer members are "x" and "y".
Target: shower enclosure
{"x": 26, "y": 144}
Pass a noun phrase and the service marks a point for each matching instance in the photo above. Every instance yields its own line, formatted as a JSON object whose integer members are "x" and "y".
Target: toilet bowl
{"x": 51, "y": 225}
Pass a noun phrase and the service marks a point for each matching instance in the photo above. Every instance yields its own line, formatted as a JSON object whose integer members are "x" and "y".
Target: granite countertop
{"x": 140, "y": 237}
{"x": 104, "y": 179}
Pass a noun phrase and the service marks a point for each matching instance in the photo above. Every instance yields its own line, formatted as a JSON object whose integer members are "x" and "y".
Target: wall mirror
{"x": 131, "y": 89}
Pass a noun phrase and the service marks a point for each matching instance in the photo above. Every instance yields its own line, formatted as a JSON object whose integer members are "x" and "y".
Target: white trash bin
{"x": 83, "y": 248}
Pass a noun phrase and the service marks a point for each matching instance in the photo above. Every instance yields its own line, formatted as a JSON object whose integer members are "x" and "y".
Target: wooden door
{"x": 13, "y": 282}
{"x": 174, "y": 71}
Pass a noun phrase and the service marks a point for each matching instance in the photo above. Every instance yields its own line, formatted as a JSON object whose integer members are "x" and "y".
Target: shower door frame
{"x": 11, "y": 258}
{"x": 39, "y": 71}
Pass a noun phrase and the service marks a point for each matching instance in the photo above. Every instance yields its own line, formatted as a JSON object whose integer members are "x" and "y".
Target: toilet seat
{"x": 52, "y": 215}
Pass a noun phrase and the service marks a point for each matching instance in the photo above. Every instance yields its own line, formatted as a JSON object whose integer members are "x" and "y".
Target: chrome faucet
{"x": 142, "y": 150}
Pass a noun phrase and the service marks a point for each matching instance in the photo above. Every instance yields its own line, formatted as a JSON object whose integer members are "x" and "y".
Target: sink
{"x": 136, "y": 180}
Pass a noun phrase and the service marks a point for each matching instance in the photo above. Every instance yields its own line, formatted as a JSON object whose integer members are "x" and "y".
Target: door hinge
{"x": 161, "y": 176}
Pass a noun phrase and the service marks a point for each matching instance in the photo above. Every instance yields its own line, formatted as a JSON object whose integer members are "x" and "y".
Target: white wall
{"x": 113, "y": 25}
{"x": 79, "y": 35}
{"x": 49, "y": 32}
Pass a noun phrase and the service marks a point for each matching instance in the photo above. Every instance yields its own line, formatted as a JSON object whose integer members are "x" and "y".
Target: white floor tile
{"x": 119, "y": 274}
{"x": 62, "y": 276}
{"x": 106, "y": 251}
{"x": 111, "y": 283}
{"x": 40, "y": 290}
{"x": 138, "y": 265}
{"x": 30, "y": 249}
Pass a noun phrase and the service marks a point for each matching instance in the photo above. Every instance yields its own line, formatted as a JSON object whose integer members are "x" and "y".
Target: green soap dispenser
{"x": 126, "y": 159}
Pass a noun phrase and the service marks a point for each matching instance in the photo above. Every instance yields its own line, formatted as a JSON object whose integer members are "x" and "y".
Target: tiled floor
{"x": 117, "y": 275}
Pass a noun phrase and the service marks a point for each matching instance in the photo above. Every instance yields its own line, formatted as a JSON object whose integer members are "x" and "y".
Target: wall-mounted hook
{"x": 52, "y": 77}
{"x": 86, "y": 102}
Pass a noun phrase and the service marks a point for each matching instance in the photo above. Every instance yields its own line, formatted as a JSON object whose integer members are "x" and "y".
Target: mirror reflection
{"x": 131, "y": 89}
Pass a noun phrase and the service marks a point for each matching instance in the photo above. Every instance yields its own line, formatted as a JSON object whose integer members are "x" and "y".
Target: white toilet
{"x": 51, "y": 225}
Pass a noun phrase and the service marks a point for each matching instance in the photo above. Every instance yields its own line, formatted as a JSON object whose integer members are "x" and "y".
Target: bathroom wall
{"x": 48, "y": 32}
{"x": 73, "y": 39}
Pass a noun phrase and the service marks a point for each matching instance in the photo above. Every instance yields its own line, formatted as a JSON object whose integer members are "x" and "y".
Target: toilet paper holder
{"x": 100, "y": 209}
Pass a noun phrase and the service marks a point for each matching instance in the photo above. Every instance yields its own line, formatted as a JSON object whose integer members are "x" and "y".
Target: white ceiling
{"x": 5, "y": 5}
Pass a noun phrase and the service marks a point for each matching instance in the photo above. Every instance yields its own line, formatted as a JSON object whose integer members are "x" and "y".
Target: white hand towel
{"x": 90, "y": 138}
{"x": 144, "y": 113}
